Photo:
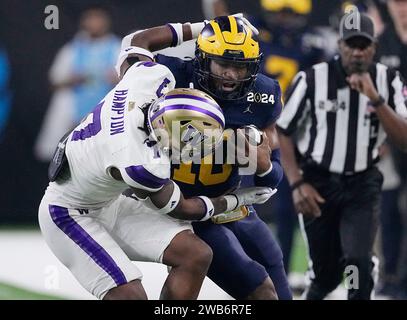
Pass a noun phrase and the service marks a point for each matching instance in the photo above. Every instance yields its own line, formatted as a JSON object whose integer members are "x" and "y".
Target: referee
{"x": 336, "y": 116}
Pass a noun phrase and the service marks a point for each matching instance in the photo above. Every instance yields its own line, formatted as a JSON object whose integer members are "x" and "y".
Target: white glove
{"x": 247, "y": 22}
{"x": 248, "y": 196}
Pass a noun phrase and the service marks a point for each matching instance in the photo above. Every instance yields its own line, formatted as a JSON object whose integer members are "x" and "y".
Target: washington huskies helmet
{"x": 227, "y": 40}
{"x": 187, "y": 121}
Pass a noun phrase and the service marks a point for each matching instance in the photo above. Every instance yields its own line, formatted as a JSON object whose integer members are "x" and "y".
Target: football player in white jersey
{"x": 94, "y": 229}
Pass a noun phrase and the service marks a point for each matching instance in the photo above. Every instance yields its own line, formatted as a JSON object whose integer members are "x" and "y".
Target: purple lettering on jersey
{"x": 119, "y": 103}
{"x": 92, "y": 128}
{"x": 116, "y": 125}
{"x": 60, "y": 216}
{"x": 142, "y": 176}
{"x": 160, "y": 89}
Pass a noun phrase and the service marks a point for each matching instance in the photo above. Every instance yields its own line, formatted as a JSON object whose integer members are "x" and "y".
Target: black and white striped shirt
{"x": 333, "y": 124}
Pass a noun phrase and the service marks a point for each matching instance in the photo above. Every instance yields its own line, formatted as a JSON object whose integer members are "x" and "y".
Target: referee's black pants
{"x": 344, "y": 233}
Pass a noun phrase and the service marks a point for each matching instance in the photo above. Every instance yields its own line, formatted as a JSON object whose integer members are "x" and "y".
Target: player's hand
{"x": 249, "y": 196}
{"x": 246, "y": 153}
{"x": 307, "y": 199}
{"x": 362, "y": 82}
{"x": 263, "y": 155}
{"x": 247, "y": 22}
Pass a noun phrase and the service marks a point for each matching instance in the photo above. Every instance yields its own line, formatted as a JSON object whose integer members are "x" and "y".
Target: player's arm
{"x": 169, "y": 200}
{"x": 165, "y": 197}
{"x": 153, "y": 39}
{"x": 169, "y": 35}
{"x": 269, "y": 170}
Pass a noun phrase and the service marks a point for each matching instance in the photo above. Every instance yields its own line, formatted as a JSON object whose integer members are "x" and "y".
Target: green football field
{"x": 11, "y": 292}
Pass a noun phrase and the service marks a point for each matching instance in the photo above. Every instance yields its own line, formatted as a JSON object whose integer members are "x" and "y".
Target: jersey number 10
{"x": 206, "y": 177}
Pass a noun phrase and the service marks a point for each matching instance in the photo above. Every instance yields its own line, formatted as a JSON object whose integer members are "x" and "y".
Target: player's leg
{"x": 189, "y": 258}
{"x": 84, "y": 246}
{"x": 232, "y": 269}
{"x": 132, "y": 290}
{"x": 148, "y": 236}
{"x": 259, "y": 244}
{"x": 358, "y": 228}
{"x": 282, "y": 207}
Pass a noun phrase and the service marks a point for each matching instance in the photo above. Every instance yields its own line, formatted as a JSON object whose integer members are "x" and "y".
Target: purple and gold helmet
{"x": 187, "y": 121}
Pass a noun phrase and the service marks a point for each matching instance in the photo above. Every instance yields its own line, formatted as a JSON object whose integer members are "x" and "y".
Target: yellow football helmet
{"x": 226, "y": 39}
{"x": 186, "y": 121}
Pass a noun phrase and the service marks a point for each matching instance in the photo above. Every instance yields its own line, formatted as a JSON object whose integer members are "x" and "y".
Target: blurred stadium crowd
{"x": 49, "y": 77}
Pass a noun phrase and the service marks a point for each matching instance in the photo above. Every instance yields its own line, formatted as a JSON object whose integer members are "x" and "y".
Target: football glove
{"x": 248, "y": 196}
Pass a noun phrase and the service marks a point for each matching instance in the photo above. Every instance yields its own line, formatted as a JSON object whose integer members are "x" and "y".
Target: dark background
{"x": 31, "y": 49}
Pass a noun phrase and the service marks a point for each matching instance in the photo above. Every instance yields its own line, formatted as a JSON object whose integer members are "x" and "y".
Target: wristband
{"x": 231, "y": 202}
{"x": 261, "y": 175}
{"x": 210, "y": 210}
{"x": 377, "y": 103}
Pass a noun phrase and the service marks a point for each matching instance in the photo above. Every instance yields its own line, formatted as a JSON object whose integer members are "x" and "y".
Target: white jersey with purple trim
{"x": 109, "y": 137}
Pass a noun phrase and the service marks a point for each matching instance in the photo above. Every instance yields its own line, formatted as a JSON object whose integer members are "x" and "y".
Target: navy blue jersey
{"x": 261, "y": 107}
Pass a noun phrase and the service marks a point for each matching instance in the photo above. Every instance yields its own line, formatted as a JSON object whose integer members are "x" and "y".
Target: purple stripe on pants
{"x": 75, "y": 232}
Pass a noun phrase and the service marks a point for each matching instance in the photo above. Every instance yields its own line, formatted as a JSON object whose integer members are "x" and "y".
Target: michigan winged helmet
{"x": 227, "y": 40}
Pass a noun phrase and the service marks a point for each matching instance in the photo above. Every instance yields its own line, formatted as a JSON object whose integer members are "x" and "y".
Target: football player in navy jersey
{"x": 247, "y": 261}
{"x": 288, "y": 45}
